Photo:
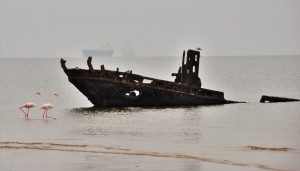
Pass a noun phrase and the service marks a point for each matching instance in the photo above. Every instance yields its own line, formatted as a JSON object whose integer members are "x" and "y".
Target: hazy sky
{"x": 62, "y": 28}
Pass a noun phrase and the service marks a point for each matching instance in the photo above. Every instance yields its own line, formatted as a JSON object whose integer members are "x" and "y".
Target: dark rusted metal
{"x": 107, "y": 88}
{"x": 273, "y": 99}
{"x": 63, "y": 64}
{"x": 89, "y": 63}
{"x": 188, "y": 72}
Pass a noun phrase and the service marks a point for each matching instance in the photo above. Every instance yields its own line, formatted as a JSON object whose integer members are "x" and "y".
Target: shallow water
{"x": 187, "y": 138}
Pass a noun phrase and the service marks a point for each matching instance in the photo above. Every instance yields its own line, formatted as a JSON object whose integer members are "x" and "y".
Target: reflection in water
{"x": 93, "y": 110}
{"x": 142, "y": 123}
{"x": 96, "y": 110}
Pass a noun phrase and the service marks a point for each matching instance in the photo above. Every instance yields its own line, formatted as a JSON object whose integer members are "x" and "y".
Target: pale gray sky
{"x": 62, "y": 28}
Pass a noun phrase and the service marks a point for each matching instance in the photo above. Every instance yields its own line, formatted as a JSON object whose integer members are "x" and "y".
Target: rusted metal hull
{"x": 106, "y": 88}
{"x": 113, "y": 93}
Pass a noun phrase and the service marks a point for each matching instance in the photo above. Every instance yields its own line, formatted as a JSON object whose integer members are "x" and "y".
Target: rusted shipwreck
{"x": 275, "y": 99}
{"x": 107, "y": 88}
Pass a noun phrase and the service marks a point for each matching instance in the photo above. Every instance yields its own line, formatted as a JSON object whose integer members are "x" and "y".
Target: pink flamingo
{"x": 48, "y": 106}
{"x": 30, "y": 104}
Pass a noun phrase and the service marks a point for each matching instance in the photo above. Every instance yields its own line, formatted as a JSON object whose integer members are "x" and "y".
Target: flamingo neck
{"x": 53, "y": 101}
{"x": 36, "y": 100}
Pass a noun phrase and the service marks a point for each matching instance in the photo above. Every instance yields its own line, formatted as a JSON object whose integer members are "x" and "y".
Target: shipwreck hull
{"x": 107, "y": 88}
{"x": 113, "y": 93}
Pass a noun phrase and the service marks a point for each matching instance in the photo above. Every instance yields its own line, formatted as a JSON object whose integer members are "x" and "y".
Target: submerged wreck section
{"x": 107, "y": 88}
{"x": 273, "y": 99}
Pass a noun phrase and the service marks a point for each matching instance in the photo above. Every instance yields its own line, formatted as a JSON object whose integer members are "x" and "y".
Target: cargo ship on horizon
{"x": 104, "y": 51}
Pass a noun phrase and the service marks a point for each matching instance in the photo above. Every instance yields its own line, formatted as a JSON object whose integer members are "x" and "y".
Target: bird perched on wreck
{"x": 198, "y": 48}
{"x": 30, "y": 104}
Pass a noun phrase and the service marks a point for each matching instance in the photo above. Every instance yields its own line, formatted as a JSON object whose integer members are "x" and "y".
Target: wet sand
{"x": 93, "y": 149}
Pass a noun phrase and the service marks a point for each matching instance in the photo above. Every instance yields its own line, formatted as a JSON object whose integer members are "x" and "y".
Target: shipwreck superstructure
{"x": 107, "y": 88}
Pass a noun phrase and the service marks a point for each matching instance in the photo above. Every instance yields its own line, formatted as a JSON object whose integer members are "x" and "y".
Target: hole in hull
{"x": 133, "y": 93}
{"x": 146, "y": 81}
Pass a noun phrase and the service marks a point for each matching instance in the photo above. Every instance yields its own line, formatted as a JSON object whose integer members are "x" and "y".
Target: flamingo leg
{"x": 47, "y": 115}
{"x": 23, "y": 111}
{"x": 27, "y": 113}
{"x": 44, "y": 113}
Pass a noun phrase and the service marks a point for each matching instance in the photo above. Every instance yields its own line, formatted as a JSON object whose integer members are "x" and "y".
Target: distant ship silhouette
{"x": 104, "y": 51}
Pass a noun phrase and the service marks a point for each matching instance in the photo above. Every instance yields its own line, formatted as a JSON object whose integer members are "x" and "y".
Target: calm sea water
{"x": 186, "y": 138}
